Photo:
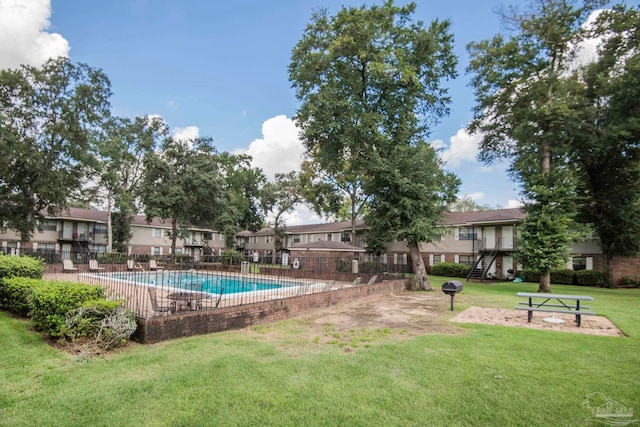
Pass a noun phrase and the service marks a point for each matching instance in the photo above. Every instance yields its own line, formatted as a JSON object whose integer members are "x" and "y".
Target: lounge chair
{"x": 132, "y": 265}
{"x": 93, "y": 265}
{"x": 155, "y": 304}
{"x": 67, "y": 266}
{"x": 373, "y": 279}
{"x": 153, "y": 265}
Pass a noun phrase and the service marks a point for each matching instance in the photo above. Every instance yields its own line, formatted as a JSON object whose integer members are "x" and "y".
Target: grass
{"x": 484, "y": 375}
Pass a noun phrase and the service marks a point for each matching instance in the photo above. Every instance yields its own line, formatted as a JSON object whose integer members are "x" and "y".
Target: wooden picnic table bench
{"x": 554, "y": 303}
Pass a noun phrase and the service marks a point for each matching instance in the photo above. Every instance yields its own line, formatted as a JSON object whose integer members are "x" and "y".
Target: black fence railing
{"x": 165, "y": 286}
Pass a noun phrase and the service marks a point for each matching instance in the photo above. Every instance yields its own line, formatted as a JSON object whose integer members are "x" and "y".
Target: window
{"x": 221, "y": 236}
{"x": 579, "y": 263}
{"x": 49, "y": 225}
{"x": 99, "y": 248}
{"x": 346, "y": 237}
{"x": 178, "y": 251}
{"x": 156, "y": 251}
{"x": 329, "y": 237}
{"x": 49, "y": 248}
{"x": 100, "y": 229}
{"x": 207, "y": 235}
{"x": 296, "y": 238}
{"x": 467, "y": 233}
{"x": 309, "y": 238}
{"x": 437, "y": 259}
{"x": 156, "y": 232}
{"x": 466, "y": 260}
{"x": 254, "y": 239}
{"x": 268, "y": 239}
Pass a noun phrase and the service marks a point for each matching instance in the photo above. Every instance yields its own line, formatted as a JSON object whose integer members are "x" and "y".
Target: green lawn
{"x": 482, "y": 375}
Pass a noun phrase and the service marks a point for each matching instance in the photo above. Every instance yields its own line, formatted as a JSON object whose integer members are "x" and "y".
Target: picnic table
{"x": 554, "y": 303}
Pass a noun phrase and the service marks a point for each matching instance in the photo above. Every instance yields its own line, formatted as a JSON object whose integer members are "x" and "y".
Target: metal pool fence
{"x": 151, "y": 287}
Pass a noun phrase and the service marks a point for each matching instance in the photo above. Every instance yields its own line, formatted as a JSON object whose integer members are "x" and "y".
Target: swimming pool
{"x": 210, "y": 282}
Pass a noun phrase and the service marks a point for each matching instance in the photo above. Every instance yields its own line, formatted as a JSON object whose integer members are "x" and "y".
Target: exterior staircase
{"x": 486, "y": 258}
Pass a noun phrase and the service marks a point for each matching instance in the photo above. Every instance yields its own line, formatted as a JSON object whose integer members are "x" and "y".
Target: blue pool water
{"x": 211, "y": 283}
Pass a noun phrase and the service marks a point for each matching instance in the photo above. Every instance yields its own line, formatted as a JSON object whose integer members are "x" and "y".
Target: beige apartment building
{"x": 487, "y": 241}
{"x": 76, "y": 233}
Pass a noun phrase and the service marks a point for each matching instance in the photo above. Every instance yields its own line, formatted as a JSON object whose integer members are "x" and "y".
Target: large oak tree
{"x": 525, "y": 110}
{"x": 369, "y": 84}
{"x": 49, "y": 116}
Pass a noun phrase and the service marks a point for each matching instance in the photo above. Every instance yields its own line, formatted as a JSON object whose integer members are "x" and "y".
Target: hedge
{"x": 113, "y": 258}
{"x": 21, "y": 266}
{"x": 15, "y": 293}
{"x": 589, "y": 278}
{"x": 450, "y": 269}
{"x": 232, "y": 257}
{"x": 630, "y": 281}
{"x": 565, "y": 276}
{"x": 51, "y": 301}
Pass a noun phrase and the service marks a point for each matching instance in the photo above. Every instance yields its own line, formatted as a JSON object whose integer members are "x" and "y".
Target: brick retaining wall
{"x": 156, "y": 329}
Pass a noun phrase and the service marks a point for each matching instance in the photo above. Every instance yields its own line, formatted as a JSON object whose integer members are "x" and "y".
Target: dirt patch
{"x": 364, "y": 323}
{"x": 590, "y": 325}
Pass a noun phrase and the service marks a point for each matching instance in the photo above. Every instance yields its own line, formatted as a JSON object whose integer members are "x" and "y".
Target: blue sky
{"x": 219, "y": 69}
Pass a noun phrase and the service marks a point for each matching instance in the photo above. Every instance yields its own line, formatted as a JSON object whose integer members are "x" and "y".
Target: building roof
{"x": 325, "y": 245}
{"x": 326, "y": 227}
{"x": 81, "y": 214}
{"x": 484, "y": 217}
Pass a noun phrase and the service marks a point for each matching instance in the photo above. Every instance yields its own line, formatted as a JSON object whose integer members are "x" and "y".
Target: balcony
{"x": 76, "y": 237}
{"x": 193, "y": 243}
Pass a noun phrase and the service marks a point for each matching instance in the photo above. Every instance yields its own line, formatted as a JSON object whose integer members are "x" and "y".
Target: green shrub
{"x": 113, "y": 258}
{"x": 51, "y": 302}
{"x": 372, "y": 267}
{"x": 21, "y": 266}
{"x": 563, "y": 276}
{"x": 232, "y": 257}
{"x": 343, "y": 265}
{"x": 450, "y": 269}
{"x": 99, "y": 325}
{"x": 530, "y": 275}
{"x": 630, "y": 281}
{"x": 15, "y": 293}
{"x": 589, "y": 278}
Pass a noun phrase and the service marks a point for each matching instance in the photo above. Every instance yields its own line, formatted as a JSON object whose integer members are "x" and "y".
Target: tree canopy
{"x": 183, "y": 183}
{"x": 48, "y": 118}
{"x": 369, "y": 84}
{"x": 606, "y": 150}
{"x": 525, "y": 111}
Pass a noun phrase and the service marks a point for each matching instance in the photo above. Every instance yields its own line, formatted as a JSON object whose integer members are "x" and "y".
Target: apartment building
{"x": 487, "y": 241}
{"x": 484, "y": 240}
{"x": 76, "y": 232}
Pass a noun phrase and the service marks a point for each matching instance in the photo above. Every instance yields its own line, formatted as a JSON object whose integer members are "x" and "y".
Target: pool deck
{"x": 138, "y": 299}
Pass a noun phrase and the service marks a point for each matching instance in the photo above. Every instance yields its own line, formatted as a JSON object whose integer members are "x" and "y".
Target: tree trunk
{"x": 606, "y": 267}
{"x": 174, "y": 237}
{"x": 109, "y": 225}
{"x": 545, "y": 281}
{"x": 422, "y": 280}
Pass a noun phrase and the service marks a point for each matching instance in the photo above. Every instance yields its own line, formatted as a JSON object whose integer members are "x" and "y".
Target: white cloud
{"x": 462, "y": 147}
{"x": 513, "y": 203}
{"x": 478, "y": 195}
{"x": 187, "y": 133}
{"x": 300, "y": 216}
{"x": 23, "y": 35}
{"x": 279, "y": 150}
